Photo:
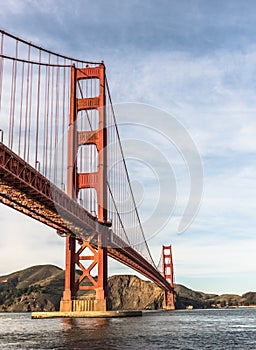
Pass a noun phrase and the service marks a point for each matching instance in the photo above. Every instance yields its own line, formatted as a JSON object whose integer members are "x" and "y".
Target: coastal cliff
{"x": 39, "y": 288}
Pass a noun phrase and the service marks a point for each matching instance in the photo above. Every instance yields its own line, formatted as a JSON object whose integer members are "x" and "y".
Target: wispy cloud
{"x": 199, "y": 66}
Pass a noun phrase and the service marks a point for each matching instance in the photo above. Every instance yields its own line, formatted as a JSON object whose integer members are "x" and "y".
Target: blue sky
{"x": 196, "y": 60}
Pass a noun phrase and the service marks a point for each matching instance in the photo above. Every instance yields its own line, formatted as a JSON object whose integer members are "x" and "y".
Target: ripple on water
{"x": 196, "y": 329}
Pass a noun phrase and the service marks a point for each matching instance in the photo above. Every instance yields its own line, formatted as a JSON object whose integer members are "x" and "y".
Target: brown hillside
{"x": 39, "y": 288}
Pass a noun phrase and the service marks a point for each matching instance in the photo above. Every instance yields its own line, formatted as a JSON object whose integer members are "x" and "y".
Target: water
{"x": 196, "y": 329}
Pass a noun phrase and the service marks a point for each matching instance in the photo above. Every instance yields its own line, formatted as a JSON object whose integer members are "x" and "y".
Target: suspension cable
{"x": 126, "y": 171}
{"x": 45, "y": 50}
{"x": 34, "y": 62}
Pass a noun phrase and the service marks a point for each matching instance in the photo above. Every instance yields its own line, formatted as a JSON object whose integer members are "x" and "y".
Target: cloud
{"x": 101, "y": 26}
{"x": 197, "y": 62}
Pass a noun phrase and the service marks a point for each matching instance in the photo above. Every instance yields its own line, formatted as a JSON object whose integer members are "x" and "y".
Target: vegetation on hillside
{"x": 39, "y": 288}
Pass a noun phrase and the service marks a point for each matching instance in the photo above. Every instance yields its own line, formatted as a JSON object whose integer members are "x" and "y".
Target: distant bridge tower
{"x": 77, "y": 181}
{"x": 167, "y": 265}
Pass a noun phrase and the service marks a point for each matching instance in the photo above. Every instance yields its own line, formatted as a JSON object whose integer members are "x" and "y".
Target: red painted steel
{"x": 168, "y": 274}
{"x": 77, "y": 181}
{"x": 89, "y": 239}
{"x": 26, "y": 190}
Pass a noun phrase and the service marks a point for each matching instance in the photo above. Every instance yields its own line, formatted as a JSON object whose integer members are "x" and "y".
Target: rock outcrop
{"x": 129, "y": 292}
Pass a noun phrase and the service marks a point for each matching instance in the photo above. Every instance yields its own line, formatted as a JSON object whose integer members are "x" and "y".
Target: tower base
{"x": 169, "y": 303}
{"x": 83, "y": 305}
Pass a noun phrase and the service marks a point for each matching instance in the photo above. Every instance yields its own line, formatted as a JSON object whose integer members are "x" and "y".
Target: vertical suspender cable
{"x": 51, "y": 122}
{"x": 13, "y": 97}
{"x": 46, "y": 117}
{"x": 26, "y": 108}
{"x": 47, "y": 102}
{"x": 21, "y": 107}
{"x": 56, "y": 134}
{"x": 1, "y": 68}
{"x": 30, "y": 110}
{"x": 44, "y": 123}
{"x": 63, "y": 124}
{"x": 38, "y": 109}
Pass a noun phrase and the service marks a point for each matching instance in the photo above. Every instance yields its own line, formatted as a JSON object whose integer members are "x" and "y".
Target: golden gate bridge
{"x": 62, "y": 163}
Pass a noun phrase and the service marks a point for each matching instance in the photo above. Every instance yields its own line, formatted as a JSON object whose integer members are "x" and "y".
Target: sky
{"x": 196, "y": 62}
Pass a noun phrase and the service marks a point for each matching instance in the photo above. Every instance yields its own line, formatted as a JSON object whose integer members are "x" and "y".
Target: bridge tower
{"x": 94, "y": 255}
{"x": 168, "y": 274}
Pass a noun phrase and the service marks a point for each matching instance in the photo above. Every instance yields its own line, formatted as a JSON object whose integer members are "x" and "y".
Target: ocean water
{"x": 196, "y": 329}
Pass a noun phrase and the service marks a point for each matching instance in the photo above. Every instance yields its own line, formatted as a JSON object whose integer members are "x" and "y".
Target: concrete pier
{"x": 86, "y": 314}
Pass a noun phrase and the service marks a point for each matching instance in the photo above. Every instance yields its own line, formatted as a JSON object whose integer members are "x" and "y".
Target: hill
{"x": 39, "y": 288}
{"x": 35, "y": 288}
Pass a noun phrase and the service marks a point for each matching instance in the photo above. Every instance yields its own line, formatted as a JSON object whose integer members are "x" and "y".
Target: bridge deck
{"x": 25, "y": 189}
